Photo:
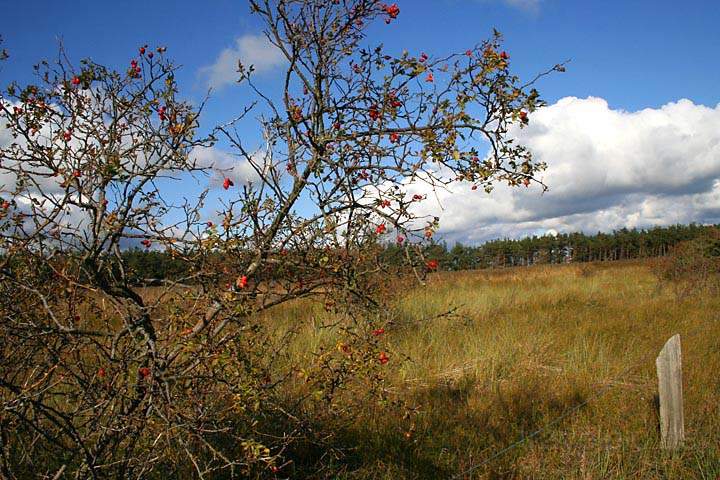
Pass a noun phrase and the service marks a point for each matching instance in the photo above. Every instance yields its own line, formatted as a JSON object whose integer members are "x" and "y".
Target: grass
{"x": 524, "y": 347}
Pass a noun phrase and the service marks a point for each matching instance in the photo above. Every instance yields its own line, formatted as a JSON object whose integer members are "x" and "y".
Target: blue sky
{"x": 635, "y": 54}
{"x": 631, "y": 55}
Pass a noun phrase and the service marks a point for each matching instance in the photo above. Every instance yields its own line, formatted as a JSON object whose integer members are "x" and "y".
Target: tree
{"x": 189, "y": 378}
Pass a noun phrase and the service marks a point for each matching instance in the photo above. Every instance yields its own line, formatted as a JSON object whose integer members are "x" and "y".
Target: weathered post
{"x": 669, "y": 370}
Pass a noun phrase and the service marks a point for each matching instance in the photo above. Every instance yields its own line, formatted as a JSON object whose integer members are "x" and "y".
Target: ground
{"x": 565, "y": 353}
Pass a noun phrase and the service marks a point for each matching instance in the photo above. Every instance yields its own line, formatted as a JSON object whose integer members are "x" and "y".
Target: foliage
{"x": 693, "y": 266}
{"x": 102, "y": 378}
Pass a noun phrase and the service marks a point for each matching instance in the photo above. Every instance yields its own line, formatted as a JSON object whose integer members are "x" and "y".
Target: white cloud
{"x": 249, "y": 49}
{"x": 225, "y": 165}
{"x": 606, "y": 169}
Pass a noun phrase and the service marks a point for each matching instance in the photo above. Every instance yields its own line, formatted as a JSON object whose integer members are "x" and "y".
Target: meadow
{"x": 563, "y": 353}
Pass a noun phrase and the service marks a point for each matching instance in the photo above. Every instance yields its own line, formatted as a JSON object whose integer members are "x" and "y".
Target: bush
{"x": 692, "y": 266}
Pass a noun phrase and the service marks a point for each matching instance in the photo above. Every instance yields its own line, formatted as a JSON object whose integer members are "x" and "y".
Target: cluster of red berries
{"x": 161, "y": 113}
{"x": 146, "y": 243}
{"x": 392, "y": 12}
{"x": 227, "y": 183}
{"x": 380, "y": 229}
{"x": 432, "y": 264}
{"x": 149, "y": 54}
{"x": 393, "y": 100}
{"x": 374, "y": 113}
{"x": 135, "y": 69}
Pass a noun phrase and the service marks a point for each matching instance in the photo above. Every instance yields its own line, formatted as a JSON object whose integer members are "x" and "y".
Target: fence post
{"x": 669, "y": 370}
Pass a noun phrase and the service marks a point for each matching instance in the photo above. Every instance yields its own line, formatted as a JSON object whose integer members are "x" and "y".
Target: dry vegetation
{"x": 524, "y": 346}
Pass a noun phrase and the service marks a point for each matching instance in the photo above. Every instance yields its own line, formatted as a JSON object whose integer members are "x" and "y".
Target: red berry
{"x": 75, "y": 80}
{"x": 432, "y": 265}
{"x": 374, "y": 113}
{"x": 383, "y": 358}
{"x": 142, "y": 50}
{"x": 144, "y": 372}
{"x": 101, "y": 372}
{"x": 380, "y": 229}
{"x": 378, "y": 332}
{"x": 242, "y": 282}
{"x": 227, "y": 183}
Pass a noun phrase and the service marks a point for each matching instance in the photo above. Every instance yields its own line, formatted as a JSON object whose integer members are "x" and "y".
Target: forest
{"x": 624, "y": 244}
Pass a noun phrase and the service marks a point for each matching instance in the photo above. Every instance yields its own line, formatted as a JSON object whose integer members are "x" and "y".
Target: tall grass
{"x": 523, "y": 347}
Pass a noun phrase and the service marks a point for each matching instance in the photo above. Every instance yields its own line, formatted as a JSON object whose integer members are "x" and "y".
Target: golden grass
{"x": 526, "y": 346}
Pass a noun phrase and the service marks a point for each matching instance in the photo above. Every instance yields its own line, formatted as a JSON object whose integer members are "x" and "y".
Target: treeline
{"x": 621, "y": 244}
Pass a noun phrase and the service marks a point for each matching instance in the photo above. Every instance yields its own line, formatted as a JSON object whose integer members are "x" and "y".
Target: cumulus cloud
{"x": 607, "y": 169}
{"x": 225, "y": 165}
{"x": 249, "y": 49}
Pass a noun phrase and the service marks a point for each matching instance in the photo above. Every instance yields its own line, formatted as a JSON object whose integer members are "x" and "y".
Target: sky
{"x": 631, "y": 133}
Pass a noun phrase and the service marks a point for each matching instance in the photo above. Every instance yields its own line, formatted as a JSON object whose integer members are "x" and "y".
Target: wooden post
{"x": 669, "y": 370}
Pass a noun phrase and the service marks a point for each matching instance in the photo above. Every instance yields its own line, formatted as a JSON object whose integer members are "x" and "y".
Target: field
{"x": 565, "y": 353}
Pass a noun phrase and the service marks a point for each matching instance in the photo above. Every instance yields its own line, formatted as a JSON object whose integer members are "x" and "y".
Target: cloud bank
{"x": 607, "y": 169}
